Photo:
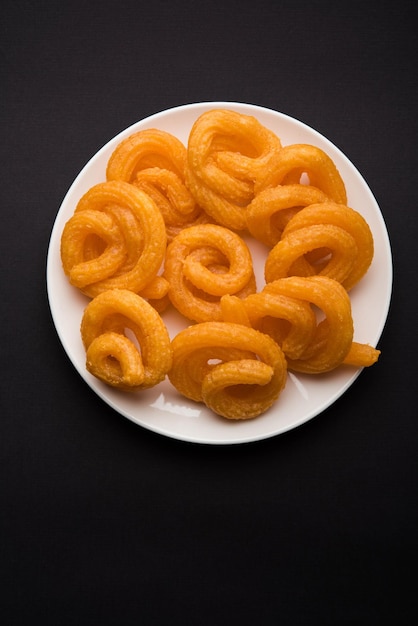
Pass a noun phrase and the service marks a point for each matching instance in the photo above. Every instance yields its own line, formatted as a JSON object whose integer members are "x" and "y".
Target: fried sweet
{"x": 202, "y": 264}
{"x": 298, "y": 160}
{"x": 176, "y": 203}
{"x": 155, "y": 162}
{"x": 115, "y": 239}
{"x": 328, "y": 239}
{"x": 333, "y": 335}
{"x": 233, "y": 176}
{"x": 236, "y": 371}
{"x": 127, "y": 344}
{"x": 144, "y": 149}
{"x": 292, "y": 322}
{"x": 270, "y": 211}
{"x": 229, "y": 156}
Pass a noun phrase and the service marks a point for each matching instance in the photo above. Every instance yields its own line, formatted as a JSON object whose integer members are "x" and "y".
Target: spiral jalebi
{"x": 329, "y": 239}
{"x": 202, "y": 264}
{"x": 237, "y": 372}
{"x": 229, "y": 156}
{"x": 155, "y": 161}
{"x": 127, "y": 344}
{"x": 115, "y": 239}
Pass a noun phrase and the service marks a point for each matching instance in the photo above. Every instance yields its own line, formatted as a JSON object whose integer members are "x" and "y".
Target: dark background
{"x": 103, "y": 522}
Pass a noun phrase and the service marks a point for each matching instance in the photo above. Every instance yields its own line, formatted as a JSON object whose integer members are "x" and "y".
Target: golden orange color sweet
{"x": 236, "y": 371}
{"x": 271, "y": 210}
{"x": 338, "y": 233}
{"x": 228, "y": 157}
{"x": 202, "y": 264}
{"x": 296, "y": 160}
{"x": 127, "y": 343}
{"x": 115, "y": 239}
{"x": 155, "y": 161}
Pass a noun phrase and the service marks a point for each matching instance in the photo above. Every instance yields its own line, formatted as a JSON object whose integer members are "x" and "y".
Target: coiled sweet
{"x": 155, "y": 161}
{"x": 333, "y": 335}
{"x": 310, "y": 318}
{"x": 115, "y": 239}
{"x": 202, "y": 264}
{"x": 229, "y": 156}
{"x": 298, "y": 160}
{"x": 329, "y": 239}
{"x": 127, "y": 344}
{"x": 271, "y": 210}
{"x": 236, "y": 371}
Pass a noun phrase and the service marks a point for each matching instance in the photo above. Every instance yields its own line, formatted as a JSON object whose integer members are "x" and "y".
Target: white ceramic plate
{"x": 162, "y": 409}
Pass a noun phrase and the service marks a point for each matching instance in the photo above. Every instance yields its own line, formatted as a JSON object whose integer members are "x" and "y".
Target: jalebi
{"x": 202, "y": 264}
{"x": 229, "y": 156}
{"x": 138, "y": 359}
{"x": 115, "y": 239}
{"x": 236, "y": 371}
{"x": 154, "y": 161}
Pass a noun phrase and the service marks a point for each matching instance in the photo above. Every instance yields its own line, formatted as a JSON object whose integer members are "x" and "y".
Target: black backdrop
{"x": 103, "y": 522}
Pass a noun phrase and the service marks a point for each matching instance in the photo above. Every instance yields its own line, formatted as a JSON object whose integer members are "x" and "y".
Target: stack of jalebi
{"x": 233, "y": 176}
{"x": 155, "y": 161}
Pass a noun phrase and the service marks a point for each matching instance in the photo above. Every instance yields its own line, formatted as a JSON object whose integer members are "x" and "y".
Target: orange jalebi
{"x": 339, "y": 234}
{"x": 236, "y": 371}
{"x": 229, "y": 156}
{"x": 270, "y": 211}
{"x": 138, "y": 359}
{"x": 202, "y": 264}
{"x": 333, "y": 335}
{"x": 115, "y": 239}
{"x": 297, "y": 160}
{"x": 287, "y": 310}
{"x": 154, "y": 161}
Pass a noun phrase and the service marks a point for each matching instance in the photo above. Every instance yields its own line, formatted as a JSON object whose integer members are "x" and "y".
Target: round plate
{"x": 162, "y": 409}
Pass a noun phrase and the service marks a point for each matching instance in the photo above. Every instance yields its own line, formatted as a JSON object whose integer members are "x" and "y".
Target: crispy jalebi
{"x": 155, "y": 162}
{"x": 202, "y": 264}
{"x": 172, "y": 197}
{"x": 236, "y": 371}
{"x": 292, "y": 322}
{"x": 333, "y": 335}
{"x": 115, "y": 239}
{"x": 339, "y": 234}
{"x": 229, "y": 156}
{"x": 144, "y": 149}
{"x": 297, "y": 160}
{"x": 112, "y": 354}
{"x": 348, "y": 220}
{"x": 270, "y": 211}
